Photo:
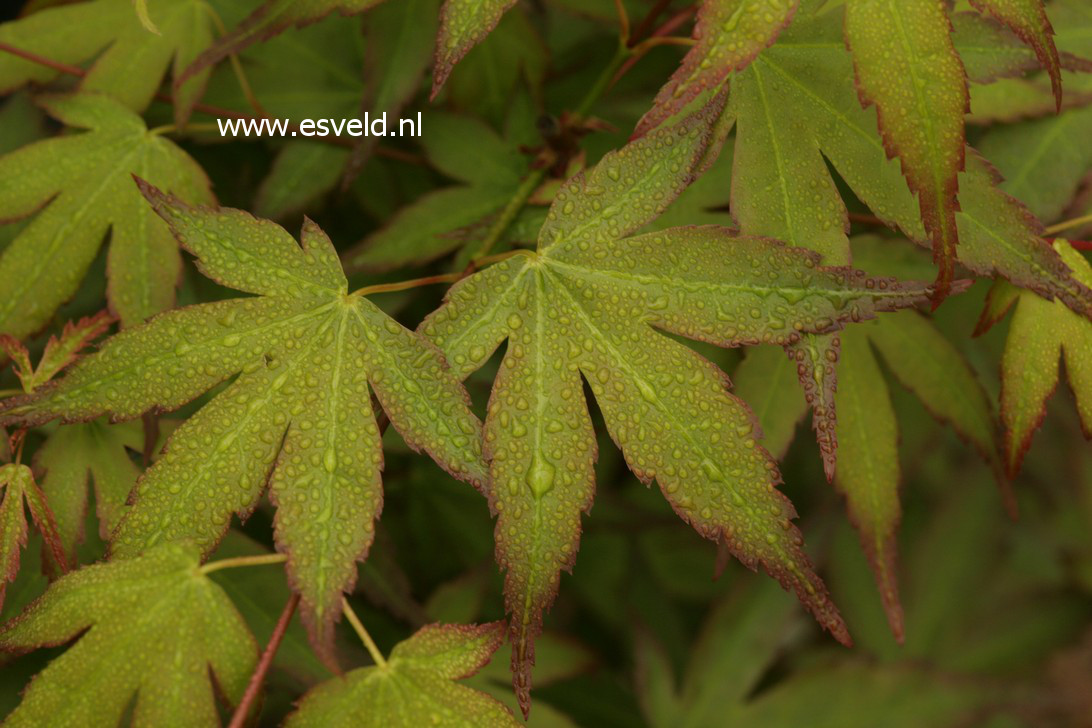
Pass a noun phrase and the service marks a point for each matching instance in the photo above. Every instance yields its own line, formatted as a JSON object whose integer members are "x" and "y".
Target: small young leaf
{"x": 1028, "y": 19}
{"x": 908, "y": 67}
{"x": 415, "y": 688}
{"x": 13, "y": 522}
{"x": 59, "y": 352}
{"x": 304, "y": 355}
{"x": 153, "y": 629}
{"x": 729, "y": 34}
{"x": 85, "y": 183}
{"x": 463, "y": 24}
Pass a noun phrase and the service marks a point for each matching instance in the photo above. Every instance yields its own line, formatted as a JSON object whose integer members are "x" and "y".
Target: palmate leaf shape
{"x": 1040, "y": 334}
{"x": 153, "y": 628}
{"x": 302, "y": 355}
{"x": 795, "y": 110}
{"x": 729, "y": 34}
{"x": 78, "y": 187}
{"x": 416, "y": 686}
{"x": 111, "y": 33}
{"x": 92, "y": 451}
{"x": 588, "y": 304}
{"x": 907, "y": 66}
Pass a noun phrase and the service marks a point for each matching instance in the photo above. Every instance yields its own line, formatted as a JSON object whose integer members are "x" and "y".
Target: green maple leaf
{"x": 795, "y": 110}
{"x": 1028, "y": 19}
{"x": 96, "y": 450}
{"x": 154, "y": 627}
{"x": 928, "y": 364}
{"x": 267, "y": 20}
{"x": 304, "y": 355}
{"x": 109, "y": 32}
{"x": 908, "y": 67}
{"x": 468, "y": 151}
{"x": 728, "y": 34}
{"x": 587, "y": 304}
{"x": 463, "y": 24}
{"x": 1041, "y": 333}
{"x": 78, "y": 187}
{"x": 415, "y": 687}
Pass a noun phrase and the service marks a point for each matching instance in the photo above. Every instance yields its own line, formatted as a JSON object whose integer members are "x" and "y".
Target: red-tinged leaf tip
{"x": 882, "y": 553}
{"x": 20, "y": 358}
{"x": 919, "y": 87}
{"x": 816, "y": 359}
{"x": 999, "y": 301}
{"x": 463, "y": 24}
{"x": 729, "y": 34}
{"x": 1028, "y": 19}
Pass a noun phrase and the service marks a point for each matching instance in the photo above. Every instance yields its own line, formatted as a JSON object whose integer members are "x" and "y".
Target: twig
{"x": 238, "y": 719}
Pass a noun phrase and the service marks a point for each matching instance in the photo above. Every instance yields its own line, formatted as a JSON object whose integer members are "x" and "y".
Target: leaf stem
{"x": 509, "y": 213}
{"x": 238, "y": 718}
{"x": 442, "y": 278}
{"x": 1068, "y": 224}
{"x": 259, "y": 560}
{"x": 535, "y": 177}
{"x": 623, "y": 21}
{"x": 42, "y": 60}
{"x": 366, "y": 638}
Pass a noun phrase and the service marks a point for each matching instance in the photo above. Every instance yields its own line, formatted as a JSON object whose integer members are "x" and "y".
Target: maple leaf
{"x": 19, "y": 487}
{"x": 78, "y": 187}
{"x": 1028, "y": 19}
{"x": 589, "y": 303}
{"x": 463, "y": 24}
{"x": 729, "y": 34}
{"x": 1041, "y": 332}
{"x": 58, "y": 353}
{"x": 303, "y": 354}
{"x": 109, "y": 32}
{"x": 794, "y": 107}
{"x": 908, "y": 67}
{"x": 928, "y": 364}
{"x": 269, "y": 19}
{"x": 73, "y": 453}
{"x": 154, "y": 627}
{"x": 415, "y": 687}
